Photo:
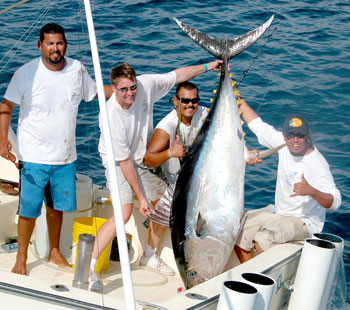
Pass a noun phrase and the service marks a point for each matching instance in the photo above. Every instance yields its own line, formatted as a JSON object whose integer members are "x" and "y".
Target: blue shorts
{"x": 35, "y": 177}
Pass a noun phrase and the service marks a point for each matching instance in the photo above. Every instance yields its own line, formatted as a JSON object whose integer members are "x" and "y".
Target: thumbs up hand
{"x": 177, "y": 149}
{"x": 302, "y": 188}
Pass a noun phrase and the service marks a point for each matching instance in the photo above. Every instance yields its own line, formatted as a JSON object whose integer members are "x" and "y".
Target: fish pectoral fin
{"x": 264, "y": 153}
{"x": 201, "y": 229}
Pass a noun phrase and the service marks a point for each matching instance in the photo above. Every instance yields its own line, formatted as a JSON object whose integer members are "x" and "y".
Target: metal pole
{"x": 118, "y": 213}
{"x": 82, "y": 266}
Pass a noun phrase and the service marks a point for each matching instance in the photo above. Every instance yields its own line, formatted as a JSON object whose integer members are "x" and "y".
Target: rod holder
{"x": 265, "y": 286}
{"x": 237, "y": 295}
{"x": 82, "y": 265}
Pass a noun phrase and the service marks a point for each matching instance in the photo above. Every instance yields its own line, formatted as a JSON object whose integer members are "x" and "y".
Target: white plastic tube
{"x": 336, "y": 240}
{"x": 310, "y": 287}
{"x": 119, "y": 221}
{"x": 265, "y": 286}
{"x": 236, "y": 295}
{"x": 336, "y": 278}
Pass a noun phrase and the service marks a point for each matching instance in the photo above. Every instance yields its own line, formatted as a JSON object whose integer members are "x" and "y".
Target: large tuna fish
{"x": 208, "y": 203}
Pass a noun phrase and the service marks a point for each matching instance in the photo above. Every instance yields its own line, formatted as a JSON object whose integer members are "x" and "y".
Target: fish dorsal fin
{"x": 221, "y": 48}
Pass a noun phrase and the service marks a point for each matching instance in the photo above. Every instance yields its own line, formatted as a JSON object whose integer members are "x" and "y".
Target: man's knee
{"x": 127, "y": 211}
{"x": 257, "y": 247}
{"x": 243, "y": 255}
{"x": 52, "y": 212}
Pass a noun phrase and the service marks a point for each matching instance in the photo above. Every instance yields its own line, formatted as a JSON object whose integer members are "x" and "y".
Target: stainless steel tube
{"x": 82, "y": 266}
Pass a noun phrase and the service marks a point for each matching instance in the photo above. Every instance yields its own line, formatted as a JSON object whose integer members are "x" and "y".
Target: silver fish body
{"x": 208, "y": 202}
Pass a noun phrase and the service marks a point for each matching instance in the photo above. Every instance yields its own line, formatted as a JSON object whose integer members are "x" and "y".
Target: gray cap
{"x": 295, "y": 123}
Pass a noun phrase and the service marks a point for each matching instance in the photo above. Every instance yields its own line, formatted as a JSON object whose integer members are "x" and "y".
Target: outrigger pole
{"x": 118, "y": 213}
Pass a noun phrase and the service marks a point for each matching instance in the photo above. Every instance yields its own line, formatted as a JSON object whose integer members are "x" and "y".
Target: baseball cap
{"x": 295, "y": 123}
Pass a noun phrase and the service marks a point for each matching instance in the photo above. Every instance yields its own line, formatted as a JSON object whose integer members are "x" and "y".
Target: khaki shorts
{"x": 152, "y": 185}
{"x": 268, "y": 228}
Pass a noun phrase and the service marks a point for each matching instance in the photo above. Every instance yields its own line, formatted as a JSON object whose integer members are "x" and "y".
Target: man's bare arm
{"x": 129, "y": 171}
{"x": 187, "y": 73}
{"x": 159, "y": 151}
{"x": 6, "y": 108}
{"x": 304, "y": 188}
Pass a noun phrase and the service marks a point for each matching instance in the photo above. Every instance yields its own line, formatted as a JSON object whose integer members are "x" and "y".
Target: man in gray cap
{"x": 305, "y": 188}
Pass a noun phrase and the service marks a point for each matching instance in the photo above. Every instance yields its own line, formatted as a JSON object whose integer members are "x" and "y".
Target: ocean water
{"x": 304, "y": 67}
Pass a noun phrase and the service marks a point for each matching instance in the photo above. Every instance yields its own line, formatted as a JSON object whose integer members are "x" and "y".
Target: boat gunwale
{"x": 277, "y": 265}
{"x": 59, "y": 299}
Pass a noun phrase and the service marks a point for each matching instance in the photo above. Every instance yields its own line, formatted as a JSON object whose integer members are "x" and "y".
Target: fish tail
{"x": 224, "y": 48}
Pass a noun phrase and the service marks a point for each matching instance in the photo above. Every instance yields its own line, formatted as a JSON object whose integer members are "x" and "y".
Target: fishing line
{"x": 245, "y": 72}
{"x": 26, "y": 34}
{"x": 267, "y": 86}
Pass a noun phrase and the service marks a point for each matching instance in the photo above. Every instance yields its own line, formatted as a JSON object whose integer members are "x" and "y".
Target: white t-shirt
{"x": 290, "y": 168}
{"x": 188, "y": 135}
{"x": 49, "y": 102}
{"x": 132, "y": 129}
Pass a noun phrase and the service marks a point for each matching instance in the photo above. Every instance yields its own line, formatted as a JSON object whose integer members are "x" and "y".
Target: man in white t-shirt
{"x": 305, "y": 188}
{"x": 130, "y": 111}
{"x": 48, "y": 91}
{"x": 172, "y": 138}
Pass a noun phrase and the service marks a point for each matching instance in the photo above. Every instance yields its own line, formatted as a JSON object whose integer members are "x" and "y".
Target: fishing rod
{"x": 13, "y": 6}
{"x": 245, "y": 72}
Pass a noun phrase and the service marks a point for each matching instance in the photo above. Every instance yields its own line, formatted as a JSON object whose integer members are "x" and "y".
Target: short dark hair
{"x": 122, "y": 70}
{"x": 52, "y": 28}
{"x": 186, "y": 85}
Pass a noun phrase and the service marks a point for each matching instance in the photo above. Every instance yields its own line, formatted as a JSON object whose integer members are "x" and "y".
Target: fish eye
{"x": 191, "y": 274}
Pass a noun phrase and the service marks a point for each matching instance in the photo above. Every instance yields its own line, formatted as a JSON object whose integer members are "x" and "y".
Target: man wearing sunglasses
{"x": 130, "y": 112}
{"x": 173, "y": 136}
{"x": 305, "y": 188}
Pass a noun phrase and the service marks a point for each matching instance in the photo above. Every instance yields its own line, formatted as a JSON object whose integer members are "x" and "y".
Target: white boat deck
{"x": 150, "y": 288}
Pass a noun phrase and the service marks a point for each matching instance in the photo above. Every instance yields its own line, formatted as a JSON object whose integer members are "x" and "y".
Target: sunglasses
{"x": 125, "y": 89}
{"x": 188, "y": 100}
{"x": 298, "y": 135}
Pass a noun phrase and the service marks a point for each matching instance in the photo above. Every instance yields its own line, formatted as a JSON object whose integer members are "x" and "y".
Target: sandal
{"x": 9, "y": 189}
